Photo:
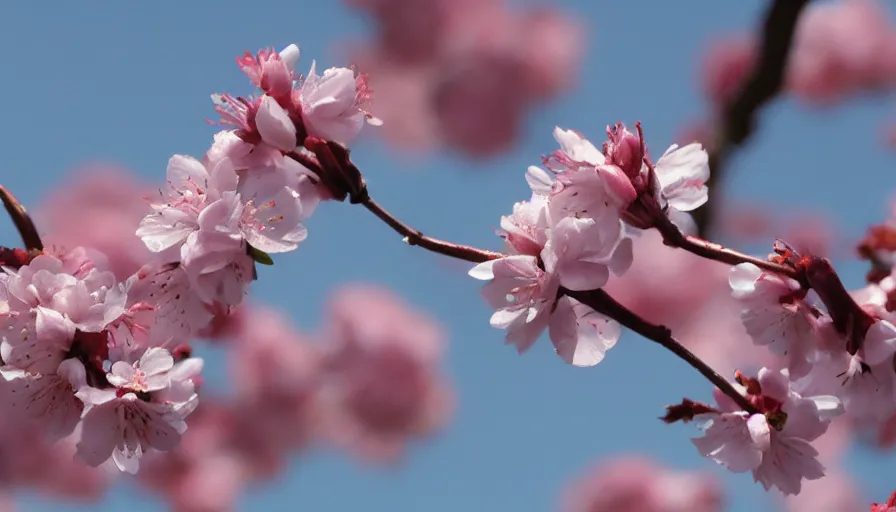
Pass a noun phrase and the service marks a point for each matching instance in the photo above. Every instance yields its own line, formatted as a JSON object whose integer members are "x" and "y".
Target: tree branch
{"x": 603, "y": 303}
{"x": 415, "y": 237}
{"x": 22, "y": 221}
{"x": 599, "y": 300}
{"x": 738, "y": 117}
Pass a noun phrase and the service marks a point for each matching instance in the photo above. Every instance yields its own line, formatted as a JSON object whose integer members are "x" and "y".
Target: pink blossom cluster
{"x": 842, "y": 48}
{"x": 96, "y": 351}
{"x": 577, "y": 229}
{"x": 368, "y": 384}
{"x": 98, "y": 333}
{"x": 463, "y": 74}
{"x": 83, "y": 351}
{"x": 250, "y": 193}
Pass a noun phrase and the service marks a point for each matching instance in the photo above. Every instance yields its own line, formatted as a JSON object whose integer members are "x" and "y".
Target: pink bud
{"x": 624, "y": 150}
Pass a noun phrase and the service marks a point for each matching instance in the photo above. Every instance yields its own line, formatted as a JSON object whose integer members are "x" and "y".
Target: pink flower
{"x": 521, "y": 294}
{"x": 773, "y": 444}
{"x": 527, "y": 229}
{"x": 165, "y": 304}
{"x": 270, "y": 71}
{"x": 383, "y": 385}
{"x": 775, "y": 314}
{"x": 581, "y": 251}
{"x": 333, "y": 104}
{"x": 634, "y": 483}
{"x": 274, "y": 125}
{"x": 191, "y": 189}
{"x": 525, "y": 301}
{"x": 584, "y": 182}
{"x": 277, "y": 373}
{"x": 46, "y": 399}
{"x": 146, "y": 408}
{"x": 682, "y": 173}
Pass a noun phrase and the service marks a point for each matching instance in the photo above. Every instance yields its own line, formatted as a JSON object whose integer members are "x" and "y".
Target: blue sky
{"x": 129, "y": 82}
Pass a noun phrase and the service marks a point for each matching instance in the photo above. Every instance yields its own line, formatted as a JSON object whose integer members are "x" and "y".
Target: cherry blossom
{"x": 146, "y": 408}
{"x": 775, "y": 443}
{"x": 775, "y": 314}
{"x": 333, "y": 104}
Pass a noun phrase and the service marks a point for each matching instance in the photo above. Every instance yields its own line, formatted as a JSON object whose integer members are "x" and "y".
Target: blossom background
{"x": 129, "y": 84}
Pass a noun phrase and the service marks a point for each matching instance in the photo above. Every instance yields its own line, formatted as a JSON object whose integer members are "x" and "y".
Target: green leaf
{"x": 260, "y": 256}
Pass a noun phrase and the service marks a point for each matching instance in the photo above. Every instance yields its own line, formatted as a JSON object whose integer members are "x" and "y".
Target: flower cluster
{"x": 104, "y": 356}
{"x": 577, "y": 229}
{"x": 774, "y": 442}
{"x": 250, "y": 194}
{"x": 846, "y": 350}
{"x": 79, "y": 351}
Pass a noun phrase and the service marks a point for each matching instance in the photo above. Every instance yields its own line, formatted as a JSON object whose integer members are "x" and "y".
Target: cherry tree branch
{"x": 673, "y": 237}
{"x": 21, "y": 220}
{"x": 416, "y": 237}
{"x": 603, "y": 303}
{"x": 737, "y": 120}
{"x": 599, "y": 300}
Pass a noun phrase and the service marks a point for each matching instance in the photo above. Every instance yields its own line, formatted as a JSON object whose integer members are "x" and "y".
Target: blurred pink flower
{"x": 840, "y": 49}
{"x": 98, "y": 207}
{"x": 383, "y": 385}
{"x": 204, "y": 473}
{"x": 635, "y": 483}
{"x": 275, "y": 372}
{"x": 462, "y": 74}
{"x": 726, "y": 64}
{"x": 835, "y": 492}
{"x": 687, "y": 282}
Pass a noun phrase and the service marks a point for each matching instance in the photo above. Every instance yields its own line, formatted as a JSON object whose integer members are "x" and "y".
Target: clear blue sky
{"x": 129, "y": 82}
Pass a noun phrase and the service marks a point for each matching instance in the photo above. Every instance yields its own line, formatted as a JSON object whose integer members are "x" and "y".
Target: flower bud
{"x": 624, "y": 150}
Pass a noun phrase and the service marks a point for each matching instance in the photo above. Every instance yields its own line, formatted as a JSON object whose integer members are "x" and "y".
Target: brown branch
{"x": 21, "y": 220}
{"x": 599, "y": 300}
{"x": 738, "y": 117}
{"x": 603, "y": 303}
{"x": 673, "y": 237}
{"x": 415, "y": 237}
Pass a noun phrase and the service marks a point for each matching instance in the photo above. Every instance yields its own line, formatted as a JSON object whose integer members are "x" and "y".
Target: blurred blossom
{"x": 688, "y": 282}
{"x": 383, "y": 386}
{"x": 836, "y": 492}
{"x": 637, "y": 484}
{"x": 463, "y": 74}
{"x": 98, "y": 207}
{"x": 275, "y": 372}
{"x": 841, "y": 48}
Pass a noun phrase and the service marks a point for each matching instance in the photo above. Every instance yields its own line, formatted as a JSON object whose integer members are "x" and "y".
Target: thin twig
{"x": 415, "y": 237}
{"x": 737, "y": 121}
{"x": 603, "y": 303}
{"x": 22, "y": 221}
{"x": 599, "y": 300}
{"x": 673, "y": 237}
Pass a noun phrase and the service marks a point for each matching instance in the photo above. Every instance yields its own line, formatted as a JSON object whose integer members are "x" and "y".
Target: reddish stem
{"x": 673, "y": 237}
{"x": 603, "y": 303}
{"x": 21, "y": 220}
{"x": 599, "y": 300}
{"x": 415, "y": 237}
